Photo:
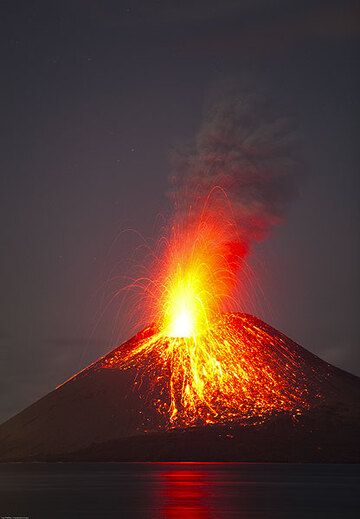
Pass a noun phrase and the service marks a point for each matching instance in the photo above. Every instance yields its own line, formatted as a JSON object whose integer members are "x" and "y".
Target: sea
{"x": 179, "y": 490}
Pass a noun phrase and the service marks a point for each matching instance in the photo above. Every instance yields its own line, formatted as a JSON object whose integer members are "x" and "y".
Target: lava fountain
{"x": 205, "y": 365}
{"x": 228, "y": 191}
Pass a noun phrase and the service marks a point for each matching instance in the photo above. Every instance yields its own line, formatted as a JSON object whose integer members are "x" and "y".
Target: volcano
{"x": 258, "y": 397}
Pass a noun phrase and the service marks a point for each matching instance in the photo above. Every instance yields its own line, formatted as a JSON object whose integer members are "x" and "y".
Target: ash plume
{"x": 247, "y": 150}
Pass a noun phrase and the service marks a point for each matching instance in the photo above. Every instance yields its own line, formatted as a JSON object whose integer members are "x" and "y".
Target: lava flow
{"x": 207, "y": 366}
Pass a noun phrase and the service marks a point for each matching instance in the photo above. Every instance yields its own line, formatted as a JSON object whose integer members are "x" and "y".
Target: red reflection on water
{"x": 186, "y": 493}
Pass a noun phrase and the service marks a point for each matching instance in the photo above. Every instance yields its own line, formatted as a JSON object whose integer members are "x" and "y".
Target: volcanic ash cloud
{"x": 247, "y": 151}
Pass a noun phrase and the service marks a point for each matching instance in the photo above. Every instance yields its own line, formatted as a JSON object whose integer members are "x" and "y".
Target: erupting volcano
{"x": 242, "y": 391}
{"x": 205, "y": 366}
{"x": 203, "y": 381}
{"x": 196, "y": 378}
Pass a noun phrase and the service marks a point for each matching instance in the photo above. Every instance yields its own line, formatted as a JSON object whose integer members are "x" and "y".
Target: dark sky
{"x": 94, "y": 96}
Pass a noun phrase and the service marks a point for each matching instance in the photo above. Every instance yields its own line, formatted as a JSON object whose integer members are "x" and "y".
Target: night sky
{"x": 95, "y": 95}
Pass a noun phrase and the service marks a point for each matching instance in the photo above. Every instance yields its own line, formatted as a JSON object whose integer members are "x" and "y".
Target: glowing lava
{"x": 206, "y": 366}
{"x": 183, "y": 306}
{"x": 183, "y": 324}
{"x": 239, "y": 369}
{"x": 197, "y": 277}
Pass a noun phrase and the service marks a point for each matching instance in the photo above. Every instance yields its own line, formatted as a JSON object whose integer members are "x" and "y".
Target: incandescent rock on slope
{"x": 107, "y": 414}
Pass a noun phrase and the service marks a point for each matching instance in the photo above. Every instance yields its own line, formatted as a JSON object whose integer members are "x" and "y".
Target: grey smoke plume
{"x": 248, "y": 150}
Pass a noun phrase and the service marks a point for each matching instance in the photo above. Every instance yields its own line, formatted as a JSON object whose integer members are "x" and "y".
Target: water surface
{"x": 179, "y": 490}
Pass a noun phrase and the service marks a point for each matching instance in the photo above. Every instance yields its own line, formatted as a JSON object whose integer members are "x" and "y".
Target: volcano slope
{"x": 259, "y": 397}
